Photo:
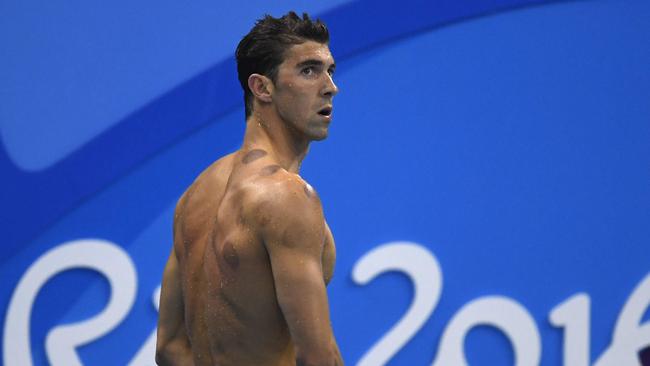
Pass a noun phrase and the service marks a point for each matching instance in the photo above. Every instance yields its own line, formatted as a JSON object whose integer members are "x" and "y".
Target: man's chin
{"x": 320, "y": 135}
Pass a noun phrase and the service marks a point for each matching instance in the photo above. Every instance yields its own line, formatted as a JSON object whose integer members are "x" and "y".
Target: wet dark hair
{"x": 262, "y": 50}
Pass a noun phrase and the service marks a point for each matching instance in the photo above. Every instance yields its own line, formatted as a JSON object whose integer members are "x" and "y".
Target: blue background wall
{"x": 510, "y": 139}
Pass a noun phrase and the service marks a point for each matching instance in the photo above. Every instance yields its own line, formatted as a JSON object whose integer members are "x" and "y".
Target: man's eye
{"x": 331, "y": 72}
{"x": 308, "y": 70}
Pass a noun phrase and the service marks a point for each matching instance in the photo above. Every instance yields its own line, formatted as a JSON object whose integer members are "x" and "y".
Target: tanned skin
{"x": 245, "y": 282}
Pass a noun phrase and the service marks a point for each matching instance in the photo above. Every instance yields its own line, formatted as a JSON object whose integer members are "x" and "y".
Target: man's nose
{"x": 330, "y": 89}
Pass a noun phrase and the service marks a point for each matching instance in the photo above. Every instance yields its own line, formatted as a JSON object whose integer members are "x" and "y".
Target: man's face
{"x": 304, "y": 89}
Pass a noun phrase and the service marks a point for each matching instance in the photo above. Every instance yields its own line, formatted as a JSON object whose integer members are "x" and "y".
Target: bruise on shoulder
{"x": 253, "y": 155}
{"x": 229, "y": 254}
{"x": 269, "y": 170}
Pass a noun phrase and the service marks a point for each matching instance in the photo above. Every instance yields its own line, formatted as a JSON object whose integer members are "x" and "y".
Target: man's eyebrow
{"x": 310, "y": 62}
{"x": 314, "y": 62}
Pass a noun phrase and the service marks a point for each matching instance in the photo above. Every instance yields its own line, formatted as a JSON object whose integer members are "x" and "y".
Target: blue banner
{"x": 486, "y": 175}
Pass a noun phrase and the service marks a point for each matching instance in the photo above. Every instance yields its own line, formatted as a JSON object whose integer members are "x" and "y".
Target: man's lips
{"x": 326, "y": 111}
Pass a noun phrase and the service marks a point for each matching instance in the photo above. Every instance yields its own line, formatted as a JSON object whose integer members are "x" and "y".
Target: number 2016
{"x": 503, "y": 313}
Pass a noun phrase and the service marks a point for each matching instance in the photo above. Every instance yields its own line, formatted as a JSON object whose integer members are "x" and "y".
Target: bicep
{"x": 301, "y": 294}
{"x": 295, "y": 245}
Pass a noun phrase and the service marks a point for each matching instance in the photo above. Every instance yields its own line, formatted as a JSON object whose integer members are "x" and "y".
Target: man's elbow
{"x": 324, "y": 358}
{"x": 172, "y": 353}
{"x": 163, "y": 356}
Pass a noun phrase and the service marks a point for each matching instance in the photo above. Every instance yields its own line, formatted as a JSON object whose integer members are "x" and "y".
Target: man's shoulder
{"x": 273, "y": 184}
{"x": 275, "y": 192}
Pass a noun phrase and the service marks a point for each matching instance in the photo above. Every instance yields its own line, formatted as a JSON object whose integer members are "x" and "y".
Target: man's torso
{"x": 232, "y": 315}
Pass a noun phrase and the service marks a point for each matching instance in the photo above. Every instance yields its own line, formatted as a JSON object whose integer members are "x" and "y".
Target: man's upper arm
{"x": 292, "y": 226}
{"x": 172, "y": 343}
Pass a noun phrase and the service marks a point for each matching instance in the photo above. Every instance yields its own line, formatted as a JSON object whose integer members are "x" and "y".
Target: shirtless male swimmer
{"x": 245, "y": 282}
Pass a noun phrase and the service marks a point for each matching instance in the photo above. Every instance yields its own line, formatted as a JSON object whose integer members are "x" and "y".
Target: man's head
{"x": 265, "y": 47}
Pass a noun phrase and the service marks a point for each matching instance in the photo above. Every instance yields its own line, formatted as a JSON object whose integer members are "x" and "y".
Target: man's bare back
{"x": 245, "y": 282}
{"x": 231, "y": 309}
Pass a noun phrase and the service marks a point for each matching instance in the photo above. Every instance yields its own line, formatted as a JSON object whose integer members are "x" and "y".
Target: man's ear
{"x": 261, "y": 87}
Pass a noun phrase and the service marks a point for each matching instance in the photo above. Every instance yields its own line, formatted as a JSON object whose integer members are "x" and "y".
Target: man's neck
{"x": 266, "y": 130}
